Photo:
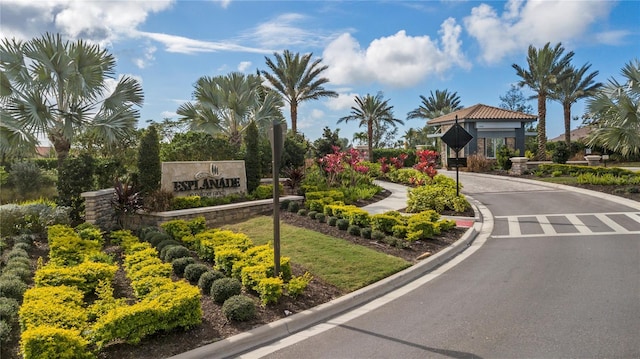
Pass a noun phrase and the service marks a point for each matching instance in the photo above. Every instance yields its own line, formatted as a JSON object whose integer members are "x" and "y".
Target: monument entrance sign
{"x": 204, "y": 178}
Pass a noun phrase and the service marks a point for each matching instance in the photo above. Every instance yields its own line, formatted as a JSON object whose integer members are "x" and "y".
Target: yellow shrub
{"x": 45, "y": 342}
{"x": 54, "y": 306}
{"x": 85, "y": 276}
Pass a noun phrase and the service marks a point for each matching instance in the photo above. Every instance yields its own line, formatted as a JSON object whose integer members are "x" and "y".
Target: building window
{"x": 491, "y": 146}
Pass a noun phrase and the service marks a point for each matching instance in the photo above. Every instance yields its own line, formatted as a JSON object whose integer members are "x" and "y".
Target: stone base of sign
{"x": 519, "y": 165}
{"x": 98, "y": 211}
{"x": 593, "y": 160}
{"x": 214, "y": 216}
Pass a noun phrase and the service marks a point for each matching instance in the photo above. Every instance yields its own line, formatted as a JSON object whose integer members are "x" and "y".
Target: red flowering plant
{"x": 427, "y": 160}
{"x": 333, "y": 165}
{"x": 384, "y": 166}
{"x": 398, "y": 162}
{"x": 354, "y": 159}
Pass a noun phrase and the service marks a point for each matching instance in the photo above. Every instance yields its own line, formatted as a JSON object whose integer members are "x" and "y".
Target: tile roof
{"x": 576, "y": 135}
{"x": 480, "y": 112}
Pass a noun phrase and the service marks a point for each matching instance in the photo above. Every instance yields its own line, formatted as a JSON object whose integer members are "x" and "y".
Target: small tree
{"x": 149, "y": 165}
{"x": 75, "y": 177}
{"x": 252, "y": 158}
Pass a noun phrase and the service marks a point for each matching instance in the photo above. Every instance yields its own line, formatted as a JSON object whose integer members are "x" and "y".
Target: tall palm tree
{"x": 371, "y": 111}
{"x": 616, "y": 112}
{"x": 55, "y": 88}
{"x": 442, "y": 103}
{"x": 297, "y": 80}
{"x": 575, "y": 87}
{"x": 547, "y": 68}
{"x": 228, "y": 104}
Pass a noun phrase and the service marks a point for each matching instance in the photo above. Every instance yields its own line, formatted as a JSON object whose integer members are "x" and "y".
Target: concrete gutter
{"x": 237, "y": 344}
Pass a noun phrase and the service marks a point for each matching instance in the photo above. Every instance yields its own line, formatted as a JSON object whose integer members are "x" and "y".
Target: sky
{"x": 402, "y": 48}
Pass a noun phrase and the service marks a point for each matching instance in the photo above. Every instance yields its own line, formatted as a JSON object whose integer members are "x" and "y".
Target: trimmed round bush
{"x": 293, "y": 207}
{"x": 207, "y": 278}
{"x": 165, "y": 249}
{"x": 180, "y": 264}
{"x": 176, "y": 252}
{"x": 17, "y": 252}
{"x": 321, "y": 217}
{"x": 342, "y": 224}
{"x": 366, "y": 232}
{"x": 9, "y": 308}
{"x": 239, "y": 308}
{"x": 378, "y": 235}
{"x": 225, "y": 288}
{"x": 332, "y": 221}
{"x": 165, "y": 243}
{"x": 5, "y": 330}
{"x": 12, "y": 288}
{"x": 302, "y": 212}
{"x": 312, "y": 214}
{"x": 156, "y": 237}
{"x": 23, "y": 273}
{"x": 18, "y": 262}
{"x": 24, "y": 238}
{"x": 145, "y": 233}
{"x": 193, "y": 272}
{"x": 22, "y": 245}
{"x": 353, "y": 230}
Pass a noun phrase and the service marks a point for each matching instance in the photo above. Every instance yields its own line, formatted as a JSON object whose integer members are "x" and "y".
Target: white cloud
{"x": 168, "y": 114}
{"x": 317, "y": 114}
{"x": 611, "y": 37}
{"x": 184, "y": 45}
{"x": 244, "y": 65}
{"x": 223, "y": 3}
{"x": 398, "y": 60}
{"x": 536, "y": 22}
{"x": 146, "y": 58}
{"x": 288, "y": 30}
{"x": 344, "y": 101}
{"x": 97, "y": 21}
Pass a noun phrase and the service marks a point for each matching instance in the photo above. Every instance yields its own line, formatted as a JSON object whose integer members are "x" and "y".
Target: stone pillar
{"x": 518, "y": 165}
{"x": 98, "y": 208}
{"x": 593, "y": 160}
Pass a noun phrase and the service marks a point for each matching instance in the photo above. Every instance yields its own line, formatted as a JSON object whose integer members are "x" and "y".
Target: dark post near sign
{"x": 456, "y": 138}
{"x": 276, "y": 137}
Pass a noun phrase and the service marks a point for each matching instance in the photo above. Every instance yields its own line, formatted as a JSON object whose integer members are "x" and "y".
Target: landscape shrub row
{"x": 31, "y": 217}
{"x": 233, "y": 255}
{"x": 575, "y": 170}
{"x": 58, "y": 321}
{"x": 14, "y": 279}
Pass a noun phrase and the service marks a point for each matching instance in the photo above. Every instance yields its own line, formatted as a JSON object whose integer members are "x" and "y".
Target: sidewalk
{"x": 398, "y": 201}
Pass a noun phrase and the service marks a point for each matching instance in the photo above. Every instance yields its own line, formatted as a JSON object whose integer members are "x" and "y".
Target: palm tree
{"x": 371, "y": 111}
{"x": 575, "y": 87}
{"x": 436, "y": 105}
{"x": 55, "y": 88}
{"x": 297, "y": 80}
{"x": 547, "y": 67}
{"x": 228, "y": 104}
{"x": 615, "y": 109}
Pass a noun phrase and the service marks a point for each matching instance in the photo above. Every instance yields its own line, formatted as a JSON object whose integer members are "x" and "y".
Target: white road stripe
{"x": 581, "y": 227}
{"x": 565, "y": 234}
{"x": 546, "y": 226}
{"x": 514, "y": 226}
{"x": 634, "y": 216}
{"x": 611, "y": 223}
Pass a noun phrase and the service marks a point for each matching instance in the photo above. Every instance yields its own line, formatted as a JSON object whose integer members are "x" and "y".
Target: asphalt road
{"x": 559, "y": 277}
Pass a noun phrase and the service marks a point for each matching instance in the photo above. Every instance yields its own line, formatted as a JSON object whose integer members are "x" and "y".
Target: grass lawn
{"x": 336, "y": 261}
{"x": 568, "y": 180}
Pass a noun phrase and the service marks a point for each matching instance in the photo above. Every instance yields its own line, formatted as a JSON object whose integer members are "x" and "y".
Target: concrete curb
{"x": 601, "y": 195}
{"x": 284, "y": 327}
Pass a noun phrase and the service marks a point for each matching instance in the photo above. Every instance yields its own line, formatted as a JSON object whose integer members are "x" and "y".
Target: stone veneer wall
{"x": 98, "y": 211}
{"x": 98, "y": 208}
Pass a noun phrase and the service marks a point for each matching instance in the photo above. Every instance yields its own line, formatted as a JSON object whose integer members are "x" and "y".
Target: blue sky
{"x": 403, "y": 48}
